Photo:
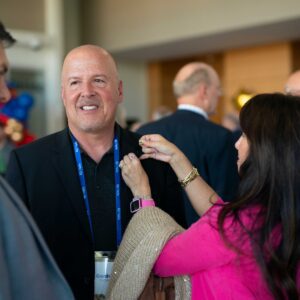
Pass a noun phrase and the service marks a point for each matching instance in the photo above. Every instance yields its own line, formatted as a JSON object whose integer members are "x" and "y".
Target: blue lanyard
{"x": 117, "y": 190}
{"x": 117, "y": 186}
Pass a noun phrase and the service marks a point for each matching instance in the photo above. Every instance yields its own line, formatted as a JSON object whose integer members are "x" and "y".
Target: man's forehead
{"x": 85, "y": 69}
{"x": 85, "y": 62}
{"x": 89, "y": 67}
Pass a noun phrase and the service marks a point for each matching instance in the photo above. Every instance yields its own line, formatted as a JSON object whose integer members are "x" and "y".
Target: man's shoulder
{"x": 158, "y": 126}
{"x": 42, "y": 143}
{"x": 219, "y": 130}
{"x": 126, "y": 133}
{"x": 184, "y": 121}
{"x": 129, "y": 138}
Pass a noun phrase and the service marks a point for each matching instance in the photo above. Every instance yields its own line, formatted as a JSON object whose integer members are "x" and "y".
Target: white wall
{"x": 46, "y": 57}
{"x": 120, "y": 25}
{"x": 134, "y": 79}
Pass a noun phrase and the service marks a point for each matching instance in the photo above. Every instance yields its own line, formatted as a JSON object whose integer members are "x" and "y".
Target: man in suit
{"x": 27, "y": 269}
{"x": 70, "y": 180}
{"x": 209, "y": 146}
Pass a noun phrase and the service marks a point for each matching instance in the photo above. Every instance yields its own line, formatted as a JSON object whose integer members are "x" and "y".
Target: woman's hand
{"x": 201, "y": 195}
{"x": 156, "y": 147}
{"x": 135, "y": 176}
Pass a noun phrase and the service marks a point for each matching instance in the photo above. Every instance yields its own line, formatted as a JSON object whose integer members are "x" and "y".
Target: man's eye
{"x": 73, "y": 82}
{"x": 98, "y": 80}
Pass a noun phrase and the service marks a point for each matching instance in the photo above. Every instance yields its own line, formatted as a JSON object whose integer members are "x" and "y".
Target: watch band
{"x": 138, "y": 202}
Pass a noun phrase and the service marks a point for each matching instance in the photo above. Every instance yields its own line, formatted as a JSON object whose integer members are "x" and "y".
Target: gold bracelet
{"x": 190, "y": 177}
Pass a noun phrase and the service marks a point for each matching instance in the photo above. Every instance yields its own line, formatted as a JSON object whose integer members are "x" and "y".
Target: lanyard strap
{"x": 117, "y": 190}
{"x": 117, "y": 186}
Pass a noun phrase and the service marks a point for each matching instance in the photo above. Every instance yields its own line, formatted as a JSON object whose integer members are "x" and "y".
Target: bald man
{"x": 292, "y": 86}
{"x": 208, "y": 146}
{"x": 70, "y": 180}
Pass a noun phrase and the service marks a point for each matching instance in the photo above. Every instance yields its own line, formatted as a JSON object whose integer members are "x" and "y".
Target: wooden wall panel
{"x": 257, "y": 69}
{"x": 296, "y": 55}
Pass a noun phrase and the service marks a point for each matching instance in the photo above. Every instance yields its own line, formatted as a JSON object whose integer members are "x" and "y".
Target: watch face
{"x": 135, "y": 205}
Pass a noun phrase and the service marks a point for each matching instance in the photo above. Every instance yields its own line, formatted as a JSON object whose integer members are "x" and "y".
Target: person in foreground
{"x": 27, "y": 269}
{"x": 70, "y": 180}
{"x": 248, "y": 248}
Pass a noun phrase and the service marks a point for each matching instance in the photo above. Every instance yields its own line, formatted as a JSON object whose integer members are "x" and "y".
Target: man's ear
{"x": 120, "y": 91}
{"x": 202, "y": 93}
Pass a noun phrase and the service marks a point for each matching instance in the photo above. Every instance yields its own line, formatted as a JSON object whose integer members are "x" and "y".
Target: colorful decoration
{"x": 14, "y": 117}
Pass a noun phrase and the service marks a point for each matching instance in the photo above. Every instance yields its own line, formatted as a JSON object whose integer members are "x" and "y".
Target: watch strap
{"x": 138, "y": 202}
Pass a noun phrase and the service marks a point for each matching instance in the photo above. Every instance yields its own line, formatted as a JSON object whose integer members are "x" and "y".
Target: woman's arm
{"x": 201, "y": 195}
{"x": 199, "y": 248}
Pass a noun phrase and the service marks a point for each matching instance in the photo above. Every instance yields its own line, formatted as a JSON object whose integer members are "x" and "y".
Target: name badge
{"x": 103, "y": 267}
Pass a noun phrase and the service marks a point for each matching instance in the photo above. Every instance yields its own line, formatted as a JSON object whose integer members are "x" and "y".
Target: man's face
{"x": 4, "y": 91}
{"x": 242, "y": 146}
{"x": 91, "y": 90}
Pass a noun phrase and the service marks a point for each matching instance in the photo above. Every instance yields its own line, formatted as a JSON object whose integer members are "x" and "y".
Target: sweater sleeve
{"x": 198, "y": 248}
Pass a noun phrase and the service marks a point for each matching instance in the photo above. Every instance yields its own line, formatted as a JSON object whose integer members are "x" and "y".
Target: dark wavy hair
{"x": 5, "y": 37}
{"x": 270, "y": 177}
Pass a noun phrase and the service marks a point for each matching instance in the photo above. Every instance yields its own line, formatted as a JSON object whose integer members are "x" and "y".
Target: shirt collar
{"x": 194, "y": 109}
{"x": 111, "y": 150}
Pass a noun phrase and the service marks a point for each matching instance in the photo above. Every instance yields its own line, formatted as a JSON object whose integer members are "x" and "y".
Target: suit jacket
{"x": 208, "y": 146}
{"x": 27, "y": 269}
{"x": 44, "y": 174}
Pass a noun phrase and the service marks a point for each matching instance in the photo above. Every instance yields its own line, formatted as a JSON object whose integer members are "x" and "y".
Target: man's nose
{"x": 4, "y": 91}
{"x": 87, "y": 89}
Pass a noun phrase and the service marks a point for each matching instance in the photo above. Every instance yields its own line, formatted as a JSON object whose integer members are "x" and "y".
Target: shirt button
{"x": 98, "y": 187}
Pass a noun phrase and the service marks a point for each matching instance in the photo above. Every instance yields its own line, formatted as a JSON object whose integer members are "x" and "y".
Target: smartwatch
{"x": 138, "y": 202}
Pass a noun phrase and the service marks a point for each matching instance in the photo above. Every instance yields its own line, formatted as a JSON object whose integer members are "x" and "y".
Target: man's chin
{"x": 94, "y": 129}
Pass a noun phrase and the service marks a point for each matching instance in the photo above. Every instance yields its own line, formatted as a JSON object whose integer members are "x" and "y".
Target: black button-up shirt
{"x": 100, "y": 184}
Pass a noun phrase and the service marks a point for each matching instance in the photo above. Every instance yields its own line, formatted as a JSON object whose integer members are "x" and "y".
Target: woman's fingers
{"x": 156, "y": 155}
{"x": 134, "y": 175}
{"x": 157, "y": 143}
{"x": 130, "y": 166}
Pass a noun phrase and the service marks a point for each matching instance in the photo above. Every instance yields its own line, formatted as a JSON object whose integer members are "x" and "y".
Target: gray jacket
{"x": 27, "y": 269}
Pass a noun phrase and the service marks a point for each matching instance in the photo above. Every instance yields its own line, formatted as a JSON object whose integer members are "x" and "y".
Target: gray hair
{"x": 189, "y": 85}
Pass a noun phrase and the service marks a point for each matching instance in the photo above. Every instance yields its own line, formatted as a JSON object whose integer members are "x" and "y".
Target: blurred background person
{"x": 231, "y": 122}
{"x": 210, "y": 147}
{"x": 292, "y": 86}
{"x": 161, "y": 112}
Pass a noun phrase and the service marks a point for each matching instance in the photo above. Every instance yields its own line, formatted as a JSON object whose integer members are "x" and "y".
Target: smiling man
{"x": 70, "y": 180}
